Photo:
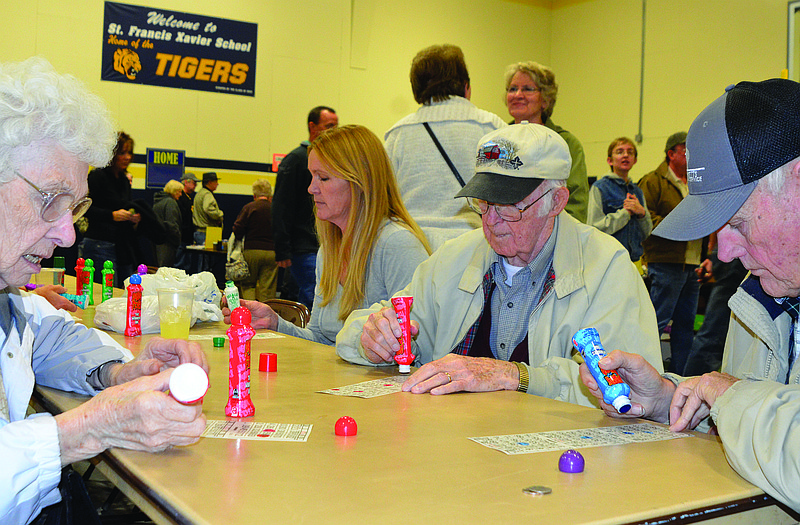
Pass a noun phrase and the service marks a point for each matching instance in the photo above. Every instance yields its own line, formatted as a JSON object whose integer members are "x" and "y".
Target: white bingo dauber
{"x": 188, "y": 383}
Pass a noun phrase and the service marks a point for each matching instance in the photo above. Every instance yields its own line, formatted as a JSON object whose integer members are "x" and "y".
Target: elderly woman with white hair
{"x": 531, "y": 92}
{"x": 51, "y": 130}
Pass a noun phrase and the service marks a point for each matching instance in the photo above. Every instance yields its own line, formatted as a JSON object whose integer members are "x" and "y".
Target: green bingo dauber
{"x": 107, "y": 282}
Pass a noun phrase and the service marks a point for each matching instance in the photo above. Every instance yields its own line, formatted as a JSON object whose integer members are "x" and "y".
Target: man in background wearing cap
{"x": 496, "y": 309}
{"x": 744, "y": 177}
{"x": 205, "y": 213}
{"x": 671, "y": 264}
{"x": 185, "y": 202}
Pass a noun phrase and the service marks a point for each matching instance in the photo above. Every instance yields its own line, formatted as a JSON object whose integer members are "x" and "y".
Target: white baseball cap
{"x": 513, "y": 161}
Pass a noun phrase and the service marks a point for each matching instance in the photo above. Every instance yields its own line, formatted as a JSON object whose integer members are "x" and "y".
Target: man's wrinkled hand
{"x": 650, "y": 393}
{"x": 694, "y": 398}
{"x": 458, "y": 373}
{"x": 380, "y": 333}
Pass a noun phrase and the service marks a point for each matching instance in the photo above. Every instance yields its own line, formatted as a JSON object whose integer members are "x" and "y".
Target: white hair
{"x": 774, "y": 181}
{"x": 547, "y": 204}
{"x": 173, "y": 187}
{"x": 262, "y": 188}
{"x": 38, "y": 105}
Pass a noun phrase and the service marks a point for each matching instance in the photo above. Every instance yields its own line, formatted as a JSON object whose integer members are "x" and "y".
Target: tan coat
{"x": 758, "y": 419}
{"x": 596, "y": 286}
{"x": 661, "y": 196}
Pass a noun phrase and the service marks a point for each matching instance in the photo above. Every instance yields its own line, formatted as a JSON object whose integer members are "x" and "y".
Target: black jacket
{"x": 293, "y": 207}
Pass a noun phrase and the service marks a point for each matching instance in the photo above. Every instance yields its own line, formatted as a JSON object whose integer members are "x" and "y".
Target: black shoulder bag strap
{"x": 441, "y": 150}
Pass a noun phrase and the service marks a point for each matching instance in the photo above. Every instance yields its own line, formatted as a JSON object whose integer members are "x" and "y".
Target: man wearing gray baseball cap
{"x": 496, "y": 309}
{"x": 744, "y": 177}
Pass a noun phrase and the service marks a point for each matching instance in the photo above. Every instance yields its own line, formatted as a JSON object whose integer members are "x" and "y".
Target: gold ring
{"x": 449, "y": 379}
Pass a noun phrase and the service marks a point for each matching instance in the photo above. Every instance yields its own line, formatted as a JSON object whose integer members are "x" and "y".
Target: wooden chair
{"x": 294, "y": 312}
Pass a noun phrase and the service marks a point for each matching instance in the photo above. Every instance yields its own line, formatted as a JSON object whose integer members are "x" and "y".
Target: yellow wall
{"x": 693, "y": 50}
{"x": 354, "y": 55}
{"x": 305, "y": 57}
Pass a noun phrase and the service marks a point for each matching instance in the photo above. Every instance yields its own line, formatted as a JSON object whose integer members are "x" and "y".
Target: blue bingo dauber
{"x": 615, "y": 391}
{"x": 81, "y": 301}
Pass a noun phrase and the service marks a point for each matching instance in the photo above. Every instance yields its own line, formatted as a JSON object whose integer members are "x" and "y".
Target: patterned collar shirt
{"x": 517, "y": 292}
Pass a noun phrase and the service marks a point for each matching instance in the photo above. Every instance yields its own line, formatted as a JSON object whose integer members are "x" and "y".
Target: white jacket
{"x": 427, "y": 185}
{"x": 40, "y": 344}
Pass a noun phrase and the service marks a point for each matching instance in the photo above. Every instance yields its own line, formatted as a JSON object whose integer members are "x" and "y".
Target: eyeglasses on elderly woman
{"x": 56, "y": 204}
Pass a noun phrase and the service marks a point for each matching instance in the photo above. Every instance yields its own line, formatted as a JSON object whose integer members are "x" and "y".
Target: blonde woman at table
{"x": 369, "y": 244}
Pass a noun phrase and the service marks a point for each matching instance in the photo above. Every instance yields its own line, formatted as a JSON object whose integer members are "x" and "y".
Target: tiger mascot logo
{"x": 126, "y": 62}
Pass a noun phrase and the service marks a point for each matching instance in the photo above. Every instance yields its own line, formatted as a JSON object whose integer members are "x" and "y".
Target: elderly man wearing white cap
{"x": 744, "y": 177}
{"x": 497, "y": 309}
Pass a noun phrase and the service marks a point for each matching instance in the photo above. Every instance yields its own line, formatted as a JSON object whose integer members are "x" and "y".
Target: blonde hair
{"x": 353, "y": 153}
{"x": 172, "y": 187}
{"x": 262, "y": 188}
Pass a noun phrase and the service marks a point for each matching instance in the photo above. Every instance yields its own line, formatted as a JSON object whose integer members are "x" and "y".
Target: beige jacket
{"x": 205, "y": 211}
{"x": 596, "y": 286}
{"x": 758, "y": 419}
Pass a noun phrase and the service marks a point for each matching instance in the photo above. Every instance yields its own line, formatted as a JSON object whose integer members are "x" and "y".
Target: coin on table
{"x": 537, "y": 490}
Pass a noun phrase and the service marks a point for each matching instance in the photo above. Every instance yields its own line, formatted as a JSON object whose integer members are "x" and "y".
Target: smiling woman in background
{"x": 531, "y": 92}
{"x": 369, "y": 244}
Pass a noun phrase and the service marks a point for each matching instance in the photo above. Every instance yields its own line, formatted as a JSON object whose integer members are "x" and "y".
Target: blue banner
{"x": 163, "y": 165}
{"x": 157, "y": 47}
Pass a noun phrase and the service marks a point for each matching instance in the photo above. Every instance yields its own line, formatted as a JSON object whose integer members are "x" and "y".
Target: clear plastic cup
{"x": 49, "y": 276}
{"x": 175, "y": 312}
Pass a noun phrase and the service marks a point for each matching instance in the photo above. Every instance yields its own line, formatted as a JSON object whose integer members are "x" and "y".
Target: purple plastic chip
{"x": 571, "y": 461}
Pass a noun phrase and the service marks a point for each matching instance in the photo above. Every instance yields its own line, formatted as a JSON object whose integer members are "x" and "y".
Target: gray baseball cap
{"x": 189, "y": 176}
{"x": 512, "y": 161}
{"x": 744, "y": 135}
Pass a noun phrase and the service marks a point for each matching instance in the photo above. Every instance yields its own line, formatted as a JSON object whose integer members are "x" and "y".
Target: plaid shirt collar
{"x": 488, "y": 285}
{"x": 791, "y": 305}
